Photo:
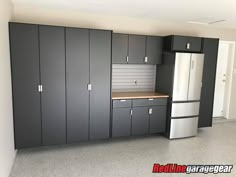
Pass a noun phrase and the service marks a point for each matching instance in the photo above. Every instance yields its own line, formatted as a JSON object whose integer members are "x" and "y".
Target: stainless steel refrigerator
{"x": 187, "y": 83}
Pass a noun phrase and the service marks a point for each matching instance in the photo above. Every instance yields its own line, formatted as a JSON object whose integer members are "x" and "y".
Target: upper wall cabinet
{"x": 136, "y": 52}
{"x": 119, "y": 48}
{"x": 154, "y": 49}
{"x": 183, "y": 44}
{"x": 136, "y": 49}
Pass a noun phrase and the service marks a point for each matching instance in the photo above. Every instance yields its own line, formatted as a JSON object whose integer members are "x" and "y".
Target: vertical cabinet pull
{"x": 188, "y": 46}
{"x": 40, "y": 88}
{"x": 89, "y": 87}
{"x": 131, "y": 112}
{"x": 150, "y": 111}
{"x": 146, "y": 59}
{"x": 127, "y": 59}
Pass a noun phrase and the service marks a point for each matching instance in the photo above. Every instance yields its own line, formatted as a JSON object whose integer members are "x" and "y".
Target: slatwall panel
{"x": 125, "y": 75}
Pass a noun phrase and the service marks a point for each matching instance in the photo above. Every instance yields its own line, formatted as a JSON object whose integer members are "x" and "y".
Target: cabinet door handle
{"x": 131, "y": 112}
{"x": 122, "y": 100}
{"x": 188, "y": 46}
{"x": 150, "y": 99}
{"x": 40, "y": 88}
{"x": 127, "y": 59}
{"x": 150, "y": 111}
{"x": 89, "y": 87}
{"x": 146, "y": 59}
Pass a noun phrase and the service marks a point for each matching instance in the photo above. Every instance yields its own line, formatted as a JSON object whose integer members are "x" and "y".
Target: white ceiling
{"x": 180, "y": 11}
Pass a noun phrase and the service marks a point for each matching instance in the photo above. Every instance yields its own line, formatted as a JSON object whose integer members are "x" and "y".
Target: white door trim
{"x": 230, "y": 69}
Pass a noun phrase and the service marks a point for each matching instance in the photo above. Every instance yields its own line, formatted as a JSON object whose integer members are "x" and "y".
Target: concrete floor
{"x": 130, "y": 157}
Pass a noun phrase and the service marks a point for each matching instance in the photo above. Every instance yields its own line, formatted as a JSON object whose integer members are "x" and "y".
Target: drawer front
{"x": 181, "y": 128}
{"x": 150, "y": 102}
{"x": 121, "y": 103}
{"x": 184, "y": 43}
{"x": 185, "y": 109}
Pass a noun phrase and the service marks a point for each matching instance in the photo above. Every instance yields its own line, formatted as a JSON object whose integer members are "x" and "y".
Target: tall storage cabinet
{"x": 100, "y": 79}
{"x": 88, "y": 65}
{"x": 61, "y": 84}
{"x": 77, "y": 79}
{"x": 25, "y": 80}
{"x": 52, "y": 69}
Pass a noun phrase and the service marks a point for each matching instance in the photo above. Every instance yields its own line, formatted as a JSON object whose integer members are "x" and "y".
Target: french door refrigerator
{"x": 187, "y": 83}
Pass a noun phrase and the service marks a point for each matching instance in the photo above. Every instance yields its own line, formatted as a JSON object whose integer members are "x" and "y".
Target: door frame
{"x": 229, "y": 75}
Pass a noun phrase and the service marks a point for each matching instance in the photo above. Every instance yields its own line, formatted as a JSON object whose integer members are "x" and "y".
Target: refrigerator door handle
{"x": 193, "y": 64}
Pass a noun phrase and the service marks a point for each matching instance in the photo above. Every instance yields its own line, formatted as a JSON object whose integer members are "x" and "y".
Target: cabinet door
{"x": 121, "y": 122}
{"x": 137, "y": 46}
{"x": 119, "y": 48}
{"x": 100, "y": 78}
{"x": 158, "y": 119}
{"x": 52, "y": 65}
{"x": 25, "y": 81}
{"x": 77, "y": 79}
{"x": 154, "y": 50}
{"x": 210, "y": 50}
{"x": 186, "y": 43}
{"x": 140, "y": 121}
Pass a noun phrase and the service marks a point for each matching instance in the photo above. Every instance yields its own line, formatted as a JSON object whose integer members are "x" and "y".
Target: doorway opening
{"x": 223, "y": 82}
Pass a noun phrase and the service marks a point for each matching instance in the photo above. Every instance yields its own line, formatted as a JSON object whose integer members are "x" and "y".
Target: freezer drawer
{"x": 185, "y": 109}
{"x": 182, "y": 128}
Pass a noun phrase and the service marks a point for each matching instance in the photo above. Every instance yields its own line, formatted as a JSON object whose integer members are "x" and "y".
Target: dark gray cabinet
{"x": 119, "y": 48}
{"x": 137, "y": 47}
{"x": 154, "y": 50}
{"x": 176, "y": 43}
{"x": 140, "y": 121}
{"x": 100, "y": 79}
{"x": 158, "y": 119}
{"x": 77, "y": 79}
{"x": 52, "y": 67}
{"x": 121, "y": 122}
{"x": 210, "y": 49}
{"x": 25, "y": 81}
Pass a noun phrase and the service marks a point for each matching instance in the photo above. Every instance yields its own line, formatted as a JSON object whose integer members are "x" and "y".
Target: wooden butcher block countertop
{"x": 137, "y": 95}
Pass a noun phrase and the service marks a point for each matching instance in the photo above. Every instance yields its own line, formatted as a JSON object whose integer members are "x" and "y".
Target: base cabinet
{"x": 121, "y": 123}
{"x": 140, "y": 121}
{"x": 158, "y": 119}
{"x": 138, "y": 117}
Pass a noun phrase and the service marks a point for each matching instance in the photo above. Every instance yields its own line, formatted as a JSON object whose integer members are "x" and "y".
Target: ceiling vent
{"x": 206, "y": 21}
